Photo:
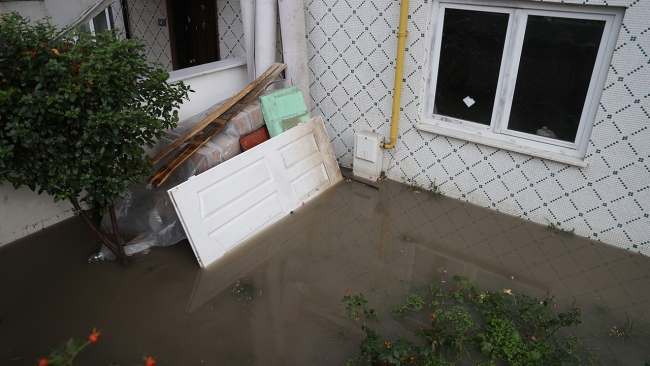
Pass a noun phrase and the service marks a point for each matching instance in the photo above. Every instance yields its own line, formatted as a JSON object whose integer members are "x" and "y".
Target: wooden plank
{"x": 219, "y": 111}
{"x": 213, "y": 128}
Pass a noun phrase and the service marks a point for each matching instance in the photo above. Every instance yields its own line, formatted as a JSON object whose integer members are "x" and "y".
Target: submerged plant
{"x": 433, "y": 190}
{"x": 412, "y": 184}
{"x": 66, "y": 353}
{"x": 559, "y": 231}
{"x": 358, "y": 307}
{"x": 245, "y": 290}
{"x": 624, "y": 331}
{"x": 500, "y": 327}
{"x": 413, "y": 303}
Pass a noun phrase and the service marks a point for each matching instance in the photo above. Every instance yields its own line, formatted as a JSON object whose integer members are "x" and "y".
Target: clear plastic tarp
{"x": 147, "y": 212}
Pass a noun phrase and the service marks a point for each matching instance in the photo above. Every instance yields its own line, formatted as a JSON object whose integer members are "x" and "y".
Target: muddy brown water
{"x": 292, "y": 278}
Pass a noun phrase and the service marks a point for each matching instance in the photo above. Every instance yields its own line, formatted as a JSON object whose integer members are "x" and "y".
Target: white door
{"x": 225, "y": 205}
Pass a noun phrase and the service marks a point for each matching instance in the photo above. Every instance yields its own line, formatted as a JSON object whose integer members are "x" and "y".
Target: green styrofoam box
{"x": 283, "y": 109}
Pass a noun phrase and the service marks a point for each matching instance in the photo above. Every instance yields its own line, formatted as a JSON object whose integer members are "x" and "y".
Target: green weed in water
{"x": 558, "y": 230}
{"x": 493, "y": 328}
{"x": 433, "y": 190}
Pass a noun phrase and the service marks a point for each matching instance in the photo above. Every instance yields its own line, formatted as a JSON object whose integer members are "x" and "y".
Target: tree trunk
{"x": 118, "y": 237}
{"x": 101, "y": 236}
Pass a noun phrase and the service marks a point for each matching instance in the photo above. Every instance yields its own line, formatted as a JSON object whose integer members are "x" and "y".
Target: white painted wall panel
{"x": 212, "y": 83}
{"x": 23, "y": 212}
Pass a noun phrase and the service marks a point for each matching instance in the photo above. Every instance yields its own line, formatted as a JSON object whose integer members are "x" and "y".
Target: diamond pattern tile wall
{"x": 143, "y": 19}
{"x": 352, "y": 49}
{"x": 118, "y": 17}
{"x": 231, "y": 29}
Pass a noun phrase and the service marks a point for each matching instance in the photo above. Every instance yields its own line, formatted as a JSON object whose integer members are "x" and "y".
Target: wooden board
{"x": 214, "y": 127}
{"x": 218, "y": 112}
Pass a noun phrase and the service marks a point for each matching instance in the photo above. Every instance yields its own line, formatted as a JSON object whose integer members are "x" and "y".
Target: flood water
{"x": 292, "y": 277}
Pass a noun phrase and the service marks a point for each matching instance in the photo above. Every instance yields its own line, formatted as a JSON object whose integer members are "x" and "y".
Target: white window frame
{"x": 497, "y": 134}
{"x": 109, "y": 22}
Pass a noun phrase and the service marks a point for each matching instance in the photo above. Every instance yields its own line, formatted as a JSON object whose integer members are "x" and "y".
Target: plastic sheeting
{"x": 147, "y": 211}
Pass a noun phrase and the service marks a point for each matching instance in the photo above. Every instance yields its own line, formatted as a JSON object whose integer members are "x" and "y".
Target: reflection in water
{"x": 352, "y": 237}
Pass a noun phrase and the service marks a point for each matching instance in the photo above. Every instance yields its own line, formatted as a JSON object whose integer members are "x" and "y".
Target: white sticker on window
{"x": 469, "y": 101}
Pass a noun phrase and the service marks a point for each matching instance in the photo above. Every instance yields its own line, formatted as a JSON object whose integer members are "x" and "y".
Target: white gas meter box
{"x": 367, "y": 155}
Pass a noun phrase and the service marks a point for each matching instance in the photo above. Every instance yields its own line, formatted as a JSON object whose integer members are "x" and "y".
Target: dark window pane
{"x": 557, "y": 61}
{"x": 86, "y": 27}
{"x": 100, "y": 22}
{"x": 470, "y": 59}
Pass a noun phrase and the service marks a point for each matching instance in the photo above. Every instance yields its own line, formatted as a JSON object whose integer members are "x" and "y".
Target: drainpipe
{"x": 399, "y": 67}
{"x": 294, "y": 44}
{"x": 266, "y": 23}
{"x": 125, "y": 15}
{"x": 248, "y": 18}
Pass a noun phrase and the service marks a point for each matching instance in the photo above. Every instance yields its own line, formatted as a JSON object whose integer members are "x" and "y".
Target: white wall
{"x": 23, "y": 212}
{"x": 212, "y": 83}
{"x": 61, "y": 12}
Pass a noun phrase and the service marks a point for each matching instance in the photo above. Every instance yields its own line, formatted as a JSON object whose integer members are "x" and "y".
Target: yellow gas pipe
{"x": 399, "y": 67}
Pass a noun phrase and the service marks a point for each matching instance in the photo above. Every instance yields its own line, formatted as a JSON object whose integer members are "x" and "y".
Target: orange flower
{"x": 150, "y": 361}
{"x": 55, "y": 51}
{"x": 43, "y": 362}
{"x": 387, "y": 344}
{"x": 432, "y": 316}
{"x": 94, "y": 337}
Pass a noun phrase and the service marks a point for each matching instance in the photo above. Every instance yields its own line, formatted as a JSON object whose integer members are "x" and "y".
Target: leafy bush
{"x": 76, "y": 111}
{"x": 501, "y": 327}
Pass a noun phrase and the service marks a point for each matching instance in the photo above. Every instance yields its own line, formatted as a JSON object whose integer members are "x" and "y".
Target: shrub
{"x": 77, "y": 110}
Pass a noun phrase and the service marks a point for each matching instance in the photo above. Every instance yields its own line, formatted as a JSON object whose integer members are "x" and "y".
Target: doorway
{"x": 193, "y": 32}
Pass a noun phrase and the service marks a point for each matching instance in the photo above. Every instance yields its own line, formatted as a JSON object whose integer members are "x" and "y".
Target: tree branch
{"x": 101, "y": 236}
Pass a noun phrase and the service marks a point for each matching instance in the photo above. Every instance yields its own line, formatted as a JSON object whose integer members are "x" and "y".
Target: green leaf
{"x": 73, "y": 345}
{"x": 535, "y": 355}
{"x": 66, "y": 144}
{"x": 486, "y": 348}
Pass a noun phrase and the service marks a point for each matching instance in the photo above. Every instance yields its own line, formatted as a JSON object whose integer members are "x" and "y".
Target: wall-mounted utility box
{"x": 367, "y": 155}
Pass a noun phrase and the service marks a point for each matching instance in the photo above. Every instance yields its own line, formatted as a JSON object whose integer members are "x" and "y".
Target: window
{"x": 100, "y": 22}
{"x": 520, "y": 76}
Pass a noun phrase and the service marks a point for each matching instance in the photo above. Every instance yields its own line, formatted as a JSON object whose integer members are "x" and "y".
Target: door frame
{"x": 171, "y": 28}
